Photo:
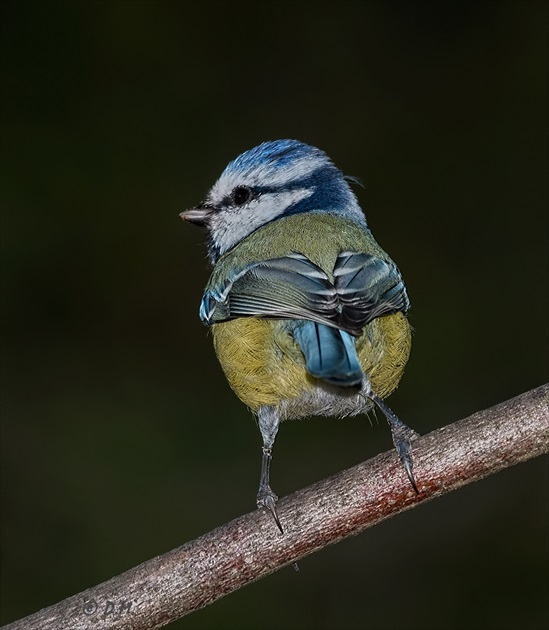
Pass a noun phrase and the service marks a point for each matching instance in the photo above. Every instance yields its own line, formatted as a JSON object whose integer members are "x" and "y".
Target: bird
{"x": 308, "y": 313}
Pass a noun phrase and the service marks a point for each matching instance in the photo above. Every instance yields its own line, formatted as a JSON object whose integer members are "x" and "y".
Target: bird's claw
{"x": 402, "y": 439}
{"x": 404, "y": 451}
{"x": 267, "y": 499}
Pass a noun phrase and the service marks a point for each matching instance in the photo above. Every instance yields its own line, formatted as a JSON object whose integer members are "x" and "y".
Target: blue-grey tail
{"x": 330, "y": 354}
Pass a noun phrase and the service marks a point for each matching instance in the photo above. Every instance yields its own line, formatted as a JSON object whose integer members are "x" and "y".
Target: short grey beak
{"x": 198, "y": 216}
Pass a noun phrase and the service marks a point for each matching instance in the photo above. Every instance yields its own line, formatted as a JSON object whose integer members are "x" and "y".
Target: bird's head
{"x": 273, "y": 180}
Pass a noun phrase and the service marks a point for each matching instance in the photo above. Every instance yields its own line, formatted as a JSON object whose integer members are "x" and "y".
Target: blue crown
{"x": 277, "y": 154}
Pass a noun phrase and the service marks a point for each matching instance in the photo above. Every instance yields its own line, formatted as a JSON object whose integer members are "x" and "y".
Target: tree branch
{"x": 181, "y": 581}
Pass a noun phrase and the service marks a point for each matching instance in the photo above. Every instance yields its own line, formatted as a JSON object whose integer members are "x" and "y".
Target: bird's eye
{"x": 241, "y": 195}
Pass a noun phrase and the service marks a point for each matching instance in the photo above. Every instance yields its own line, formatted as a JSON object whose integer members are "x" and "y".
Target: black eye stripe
{"x": 241, "y": 195}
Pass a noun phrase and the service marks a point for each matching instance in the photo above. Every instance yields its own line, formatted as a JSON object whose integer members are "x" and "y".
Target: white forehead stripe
{"x": 266, "y": 175}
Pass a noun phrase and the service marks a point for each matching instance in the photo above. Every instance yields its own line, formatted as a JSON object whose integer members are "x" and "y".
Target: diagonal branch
{"x": 170, "y": 586}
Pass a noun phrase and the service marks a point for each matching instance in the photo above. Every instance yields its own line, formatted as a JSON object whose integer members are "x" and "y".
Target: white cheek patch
{"x": 229, "y": 227}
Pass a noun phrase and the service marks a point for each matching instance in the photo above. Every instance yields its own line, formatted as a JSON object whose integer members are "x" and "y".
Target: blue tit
{"x": 308, "y": 313}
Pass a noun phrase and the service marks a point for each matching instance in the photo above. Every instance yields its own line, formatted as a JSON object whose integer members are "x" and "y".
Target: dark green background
{"x": 120, "y": 436}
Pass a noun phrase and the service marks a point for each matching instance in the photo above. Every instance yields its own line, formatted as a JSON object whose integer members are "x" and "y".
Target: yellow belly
{"x": 265, "y": 366}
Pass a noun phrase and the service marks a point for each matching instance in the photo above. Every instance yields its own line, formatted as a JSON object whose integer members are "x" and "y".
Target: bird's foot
{"x": 267, "y": 499}
{"x": 402, "y": 439}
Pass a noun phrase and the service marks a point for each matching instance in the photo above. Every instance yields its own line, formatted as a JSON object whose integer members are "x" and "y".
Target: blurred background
{"x": 120, "y": 437}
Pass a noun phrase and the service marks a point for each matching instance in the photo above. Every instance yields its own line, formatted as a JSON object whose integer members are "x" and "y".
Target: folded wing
{"x": 293, "y": 287}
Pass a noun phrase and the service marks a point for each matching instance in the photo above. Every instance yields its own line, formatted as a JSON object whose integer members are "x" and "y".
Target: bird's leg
{"x": 269, "y": 421}
{"x": 402, "y": 438}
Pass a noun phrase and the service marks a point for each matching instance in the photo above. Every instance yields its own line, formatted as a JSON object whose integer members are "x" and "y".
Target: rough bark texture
{"x": 170, "y": 586}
